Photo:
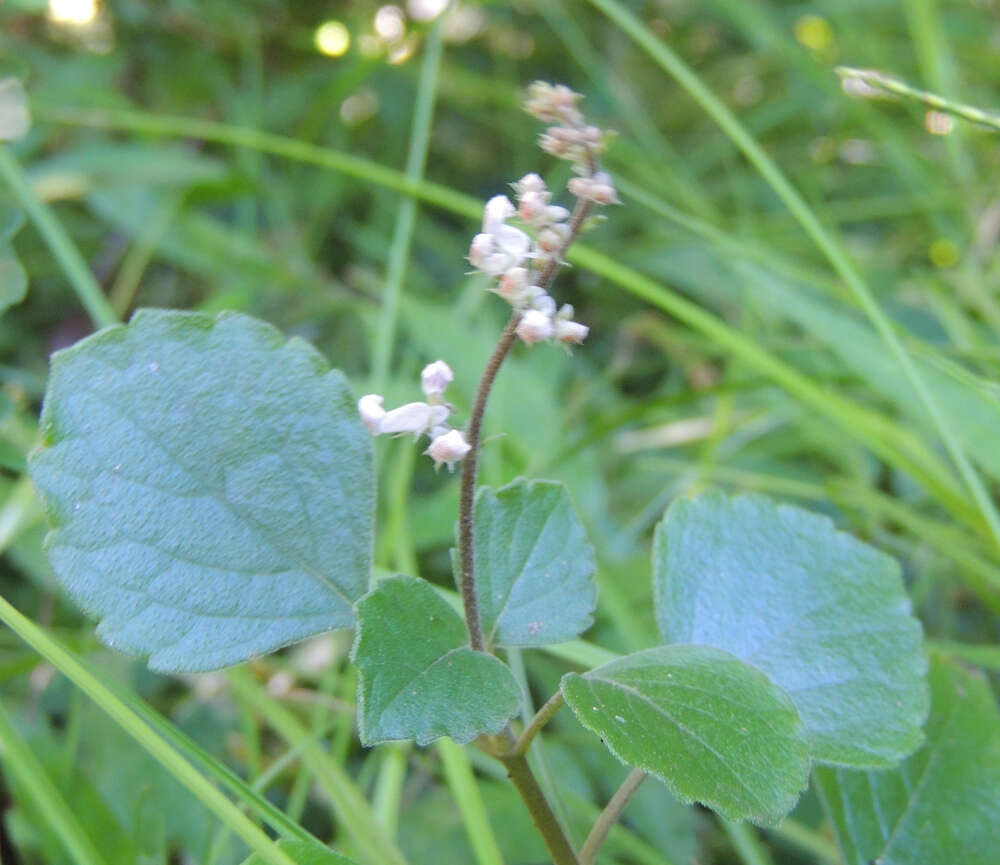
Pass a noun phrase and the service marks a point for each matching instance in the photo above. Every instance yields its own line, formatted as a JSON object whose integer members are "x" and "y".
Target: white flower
{"x": 414, "y": 417}
{"x": 435, "y": 379}
{"x": 535, "y": 326}
{"x": 483, "y": 246}
{"x": 512, "y": 248}
{"x": 570, "y": 331}
{"x": 556, "y": 213}
{"x": 450, "y": 448}
{"x": 371, "y": 411}
{"x": 498, "y": 210}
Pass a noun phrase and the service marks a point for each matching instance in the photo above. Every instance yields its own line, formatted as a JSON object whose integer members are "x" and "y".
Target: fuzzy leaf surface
{"x": 419, "y": 679}
{"x": 534, "y": 565}
{"x": 821, "y": 613}
{"x": 210, "y": 486}
{"x": 941, "y": 806}
{"x": 716, "y": 730}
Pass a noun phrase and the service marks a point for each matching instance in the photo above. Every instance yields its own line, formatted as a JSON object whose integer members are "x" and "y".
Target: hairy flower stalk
{"x": 525, "y": 266}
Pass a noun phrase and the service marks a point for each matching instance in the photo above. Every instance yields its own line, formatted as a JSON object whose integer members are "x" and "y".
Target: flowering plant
{"x": 208, "y": 512}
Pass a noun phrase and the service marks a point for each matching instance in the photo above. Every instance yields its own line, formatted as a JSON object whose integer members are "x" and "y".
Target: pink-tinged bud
{"x": 534, "y": 208}
{"x": 535, "y": 326}
{"x": 371, "y": 411}
{"x": 568, "y": 332}
{"x": 414, "y": 417}
{"x": 529, "y": 183}
{"x": 497, "y": 211}
{"x": 602, "y": 190}
{"x": 449, "y": 448}
{"x": 580, "y": 186}
{"x": 483, "y": 245}
{"x": 435, "y": 379}
{"x": 549, "y": 240}
{"x": 512, "y": 284}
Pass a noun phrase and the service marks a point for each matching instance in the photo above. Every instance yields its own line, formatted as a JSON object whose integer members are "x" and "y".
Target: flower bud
{"x": 549, "y": 240}
{"x": 498, "y": 209}
{"x": 414, "y": 417}
{"x": 555, "y": 213}
{"x": 534, "y": 208}
{"x": 568, "y": 332}
{"x": 513, "y": 284}
{"x": 529, "y": 183}
{"x": 435, "y": 379}
{"x": 535, "y": 326}
{"x": 450, "y": 448}
{"x": 579, "y": 186}
{"x": 371, "y": 411}
{"x": 545, "y": 304}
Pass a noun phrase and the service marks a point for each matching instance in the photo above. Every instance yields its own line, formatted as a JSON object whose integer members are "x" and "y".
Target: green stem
{"x": 609, "y": 816}
{"x": 542, "y": 717}
{"x": 74, "y": 267}
{"x": 466, "y": 793}
{"x": 538, "y": 807}
{"x": 889, "y": 84}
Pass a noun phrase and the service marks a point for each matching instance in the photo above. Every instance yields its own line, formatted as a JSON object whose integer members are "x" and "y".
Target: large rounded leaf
{"x": 210, "y": 487}
{"x": 714, "y": 729}
{"x": 942, "y": 805}
{"x": 821, "y": 613}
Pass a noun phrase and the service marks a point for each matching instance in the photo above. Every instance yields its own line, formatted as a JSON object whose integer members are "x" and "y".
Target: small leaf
{"x": 714, "y": 729}
{"x": 305, "y": 853}
{"x": 824, "y": 615}
{"x": 534, "y": 566}
{"x": 419, "y": 678}
{"x": 211, "y": 488}
{"x": 942, "y": 805}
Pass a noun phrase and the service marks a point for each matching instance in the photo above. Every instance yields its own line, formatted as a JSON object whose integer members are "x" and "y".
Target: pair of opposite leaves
{"x": 212, "y": 494}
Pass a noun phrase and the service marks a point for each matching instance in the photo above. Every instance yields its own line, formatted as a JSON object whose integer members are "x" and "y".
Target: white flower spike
{"x": 449, "y": 448}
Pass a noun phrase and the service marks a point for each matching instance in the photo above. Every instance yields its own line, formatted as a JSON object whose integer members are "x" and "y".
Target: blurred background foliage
{"x": 797, "y": 395}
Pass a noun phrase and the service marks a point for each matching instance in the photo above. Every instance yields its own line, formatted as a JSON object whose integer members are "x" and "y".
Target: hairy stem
{"x": 467, "y": 495}
{"x": 542, "y": 717}
{"x": 541, "y": 813}
{"x": 473, "y": 436}
{"x": 609, "y": 816}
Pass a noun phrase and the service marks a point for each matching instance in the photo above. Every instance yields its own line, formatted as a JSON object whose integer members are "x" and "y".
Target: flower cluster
{"x": 524, "y": 259}
{"x": 448, "y": 446}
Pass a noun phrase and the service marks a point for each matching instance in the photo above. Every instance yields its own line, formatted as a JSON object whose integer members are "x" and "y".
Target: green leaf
{"x": 534, "y": 566}
{"x": 942, "y": 805}
{"x": 419, "y": 678}
{"x": 714, "y": 729}
{"x": 210, "y": 486}
{"x": 824, "y": 615}
{"x": 305, "y": 853}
